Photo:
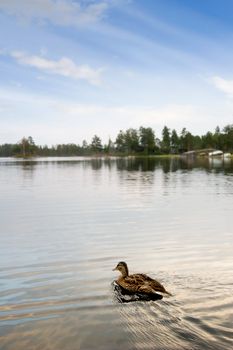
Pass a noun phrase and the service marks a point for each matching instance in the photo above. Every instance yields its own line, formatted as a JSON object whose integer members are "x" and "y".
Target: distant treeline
{"x": 131, "y": 141}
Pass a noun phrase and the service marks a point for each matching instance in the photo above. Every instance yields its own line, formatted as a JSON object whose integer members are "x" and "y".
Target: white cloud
{"x": 59, "y": 12}
{"x": 224, "y": 85}
{"x": 2, "y": 51}
{"x": 167, "y": 114}
{"x": 64, "y": 67}
{"x": 52, "y": 120}
{"x": 134, "y": 116}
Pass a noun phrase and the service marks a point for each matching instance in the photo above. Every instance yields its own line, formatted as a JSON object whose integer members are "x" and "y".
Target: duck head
{"x": 123, "y": 268}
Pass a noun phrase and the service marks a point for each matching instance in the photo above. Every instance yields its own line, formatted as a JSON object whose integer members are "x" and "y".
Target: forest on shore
{"x": 142, "y": 141}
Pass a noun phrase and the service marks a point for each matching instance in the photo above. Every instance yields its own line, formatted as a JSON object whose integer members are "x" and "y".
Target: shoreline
{"x": 156, "y": 156}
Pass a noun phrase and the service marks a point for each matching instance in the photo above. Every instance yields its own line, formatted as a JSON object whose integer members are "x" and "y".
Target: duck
{"x": 139, "y": 282}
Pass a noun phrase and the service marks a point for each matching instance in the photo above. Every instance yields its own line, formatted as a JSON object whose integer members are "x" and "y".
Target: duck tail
{"x": 168, "y": 293}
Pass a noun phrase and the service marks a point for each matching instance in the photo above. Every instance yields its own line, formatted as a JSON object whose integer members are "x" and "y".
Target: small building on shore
{"x": 216, "y": 153}
{"x": 198, "y": 152}
{"x": 208, "y": 152}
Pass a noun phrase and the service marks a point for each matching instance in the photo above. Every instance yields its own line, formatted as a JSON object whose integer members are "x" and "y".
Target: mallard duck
{"x": 138, "y": 282}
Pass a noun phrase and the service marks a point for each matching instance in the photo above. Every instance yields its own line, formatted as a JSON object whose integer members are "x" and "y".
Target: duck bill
{"x": 115, "y": 269}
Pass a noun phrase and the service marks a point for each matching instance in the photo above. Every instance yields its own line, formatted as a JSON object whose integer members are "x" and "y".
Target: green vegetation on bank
{"x": 140, "y": 142}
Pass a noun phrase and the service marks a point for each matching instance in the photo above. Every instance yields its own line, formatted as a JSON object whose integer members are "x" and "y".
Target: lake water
{"x": 66, "y": 222}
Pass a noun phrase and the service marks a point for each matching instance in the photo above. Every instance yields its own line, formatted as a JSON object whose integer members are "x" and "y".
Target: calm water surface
{"x": 65, "y": 223}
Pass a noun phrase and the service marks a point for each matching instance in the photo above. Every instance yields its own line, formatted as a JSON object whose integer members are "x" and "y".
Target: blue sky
{"x": 72, "y": 69}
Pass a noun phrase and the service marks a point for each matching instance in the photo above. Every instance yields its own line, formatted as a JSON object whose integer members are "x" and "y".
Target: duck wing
{"x": 132, "y": 283}
{"x": 141, "y": 283}
{"x": 149, "y": 285}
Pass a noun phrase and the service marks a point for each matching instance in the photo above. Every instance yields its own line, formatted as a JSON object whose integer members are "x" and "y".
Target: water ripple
{"x": 66, "y": 223}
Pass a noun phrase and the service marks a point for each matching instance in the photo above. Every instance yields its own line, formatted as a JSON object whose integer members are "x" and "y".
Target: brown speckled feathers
{"x": 138, "y": 282}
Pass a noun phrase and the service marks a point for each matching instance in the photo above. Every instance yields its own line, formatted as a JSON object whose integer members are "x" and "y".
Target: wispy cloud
{"x": 3, "y": 52}
{"x": 53, "y": 120}
{"x": 224, "y": 85}
{"x": 59, "y": 12}
{"x": 64, "y": 67}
